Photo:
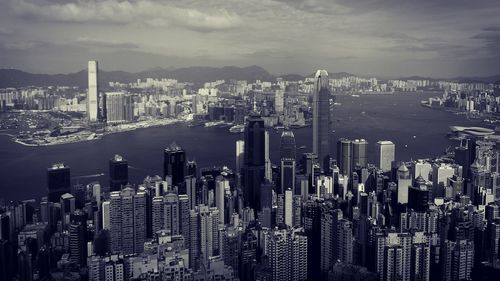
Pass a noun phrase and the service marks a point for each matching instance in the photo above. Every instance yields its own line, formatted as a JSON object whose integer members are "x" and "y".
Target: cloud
{"x": 92, "y": 42}
{"x": 125, "y": 12}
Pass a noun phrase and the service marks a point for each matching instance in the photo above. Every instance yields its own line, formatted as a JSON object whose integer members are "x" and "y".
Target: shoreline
{"x": 128, "y": 127}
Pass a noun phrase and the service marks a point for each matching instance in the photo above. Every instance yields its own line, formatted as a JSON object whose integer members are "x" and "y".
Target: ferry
{"x": 237, "y": 129}
{"x": 213, "y": 124}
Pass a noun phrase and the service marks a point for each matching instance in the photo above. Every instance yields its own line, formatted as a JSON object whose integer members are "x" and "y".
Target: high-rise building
{"x": 385, "y": 153}
{"x": 127, "y": 220}
{"x": 279, "y": 101}
{"x": 174, "y": 163}
{"x": 404, "y": 183}
{"x": 171, "y": 214}
{"x": 118, "y": 173}
{"x": 115, "y": 107}
{"x": 93, "y": 93}
{"x": 287, "y": 174}
{"x": 240, "y": 151}
{"x": 344, "y": 156}
{"x": 204, "y": 235}
{"x": 58, "y": 181}
{"x": 221, "y": 186}
{"x": 287, "y": 252}
{"x": 359, "y": 153}
{"x": 254, "y": 161}
{"x": 287, "y": 145}
{"x": 457, "y": 260}
{"x": 268, "y": 174}
{"x": 321, "y": 119}
{"x": 78, "y": 237}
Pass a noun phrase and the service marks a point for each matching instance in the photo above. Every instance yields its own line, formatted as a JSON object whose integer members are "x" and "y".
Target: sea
{"x": 418, "y": 132}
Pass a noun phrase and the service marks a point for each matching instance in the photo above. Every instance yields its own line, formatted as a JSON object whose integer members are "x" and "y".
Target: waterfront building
{"x": 93, "y": 92}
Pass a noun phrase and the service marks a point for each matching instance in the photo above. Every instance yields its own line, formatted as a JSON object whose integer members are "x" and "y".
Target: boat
{"x": 213, "y": 124}
{"x": 302, "y": 147}
{"x": 237, "y": 129}
{"x": 355, "y": 96}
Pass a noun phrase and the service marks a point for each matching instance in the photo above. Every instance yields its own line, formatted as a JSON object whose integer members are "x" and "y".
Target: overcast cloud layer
{"x": 442, "y": 38}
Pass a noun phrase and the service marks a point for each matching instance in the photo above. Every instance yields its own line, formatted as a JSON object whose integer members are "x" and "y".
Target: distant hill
{"x": 196, "y": 74}
{"x": 18, "y": 78}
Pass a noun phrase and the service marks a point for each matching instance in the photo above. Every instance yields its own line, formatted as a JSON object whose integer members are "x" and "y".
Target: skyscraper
{"x": 279, "y": 101}
{"x": 254, "y": 159}
{"x": 385, "y": 151}
{"x": 321, "y": 118}
{"x": 93, "y": 93}
{"x": 344, "y": 156}
{"x": 58, "y": 181}
{"x": 127, "y": 220}
{"x": 404, "y": 183}
{"x": 115, "y": 107}
{"x": 118, "y": 172}
{"x": 240, "y": 151}
{"x": 359, "y": 153}
{"x": 174, "y": 163}
{"x": 287, "y": 145}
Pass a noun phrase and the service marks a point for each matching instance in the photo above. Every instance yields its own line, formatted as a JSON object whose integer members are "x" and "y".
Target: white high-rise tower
{"x": 93, "y": 93}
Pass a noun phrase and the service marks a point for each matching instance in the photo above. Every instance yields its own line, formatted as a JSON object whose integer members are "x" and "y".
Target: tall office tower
{"x": 254, "y": 161}
{"x": 287, "y": 252}
{"x": 171, "y": 214}
{"x": 191, "y": 184}
{"x": 106, "y": 215}
{"x": 118, "y": 173}
{"x": 359, "y": 153}
{"x": 268, "y": 174}
{"x": 221, "y": 186}
{"x": 287, "y": 174}
{"x": 93, "y": 93}
{"x": 230, "y": 247}
{"x": 404, "y": 183}
{"x": 287, "y": 145}
{"x": 457, "y": 260}
{"x": 174, "y": 163}
{"x": 321, "y": 119}
{"x": 330, "y": 238}
{"x": 191, "y": 168}
{"x": 422, "y": 168}
{"x": 115, "y": 107}
{"x": 67, "y": 207}
{"x": 309, "y": 168}
{"x": 288, "y": 208}
{"x": 58, "y": 181}
{"x": 279, "y": 101}
{"x": 465, "y": 154}
{"x": 184, "y": 218}
{"x": 418, "y": 195}
{"x": 78, "y": 237}
{"x": 344, "y": 156}
{"x": 385, "y": 153}
{"x": 127, "y": 221}
{"x": 440, "y": 175}
{"x": 240, "y": 151}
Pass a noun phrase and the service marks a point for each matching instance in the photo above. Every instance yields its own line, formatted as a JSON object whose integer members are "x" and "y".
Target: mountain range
{"x": 197, "y": 75}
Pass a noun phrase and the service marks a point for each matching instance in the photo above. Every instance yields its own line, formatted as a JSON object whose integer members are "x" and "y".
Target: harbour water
{"x": 418, "y": 132}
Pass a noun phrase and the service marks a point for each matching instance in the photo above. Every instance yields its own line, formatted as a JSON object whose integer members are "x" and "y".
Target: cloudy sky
{"x": 439, "y": 38}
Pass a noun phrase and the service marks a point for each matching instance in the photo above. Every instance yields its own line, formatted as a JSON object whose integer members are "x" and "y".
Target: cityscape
{"x": 191, "y": 173}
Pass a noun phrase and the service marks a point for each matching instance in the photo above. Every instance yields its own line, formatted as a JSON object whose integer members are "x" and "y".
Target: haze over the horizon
{"x": 379, "y": 37}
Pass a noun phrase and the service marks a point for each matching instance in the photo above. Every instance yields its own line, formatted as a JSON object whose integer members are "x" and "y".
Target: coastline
{"x": 95, "y": 136}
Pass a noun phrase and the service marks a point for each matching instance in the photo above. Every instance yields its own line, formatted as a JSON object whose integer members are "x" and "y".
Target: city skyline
{"x": 380, "y": 38}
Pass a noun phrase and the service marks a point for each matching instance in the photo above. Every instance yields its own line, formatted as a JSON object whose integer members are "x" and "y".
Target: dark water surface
{"x": 396, "y": 117}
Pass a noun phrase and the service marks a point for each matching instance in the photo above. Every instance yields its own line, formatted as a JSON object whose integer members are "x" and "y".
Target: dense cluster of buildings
{"x": 322, "y": 215}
